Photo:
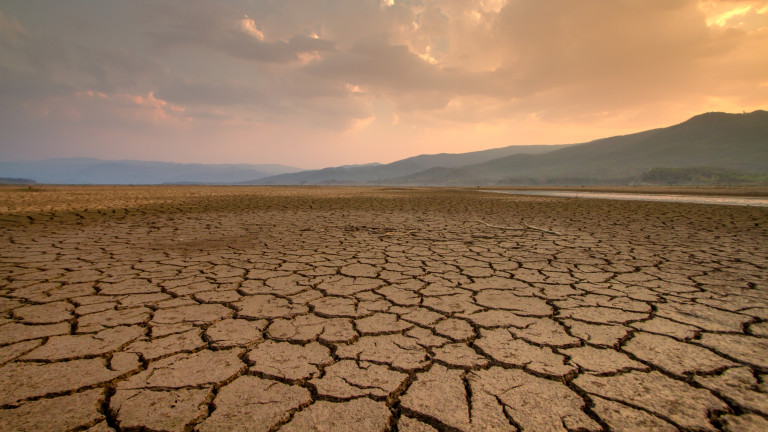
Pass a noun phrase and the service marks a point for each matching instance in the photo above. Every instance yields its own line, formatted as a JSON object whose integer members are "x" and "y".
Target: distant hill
{"x": 711, "y": 148}
{"x": 15, "y": 181}
{"x": 381, "y": 173}
{"x": 701, "y": 176}
{"x": 734, "y": 142}
{"x": 97, "y": 171}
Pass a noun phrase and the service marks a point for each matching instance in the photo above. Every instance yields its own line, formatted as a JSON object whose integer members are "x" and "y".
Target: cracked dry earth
{"x": 375, "y": 309}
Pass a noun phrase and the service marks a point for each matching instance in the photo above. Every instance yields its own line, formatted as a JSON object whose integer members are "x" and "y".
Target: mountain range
{"x": 736, "y": 144}
{"x": 98, "y": 171}
{"x": 385, "y": 173}
{"x": 709, "y": 148}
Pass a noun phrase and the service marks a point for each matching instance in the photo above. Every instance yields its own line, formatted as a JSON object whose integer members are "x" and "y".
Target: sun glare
{"x": 724, "y": 14}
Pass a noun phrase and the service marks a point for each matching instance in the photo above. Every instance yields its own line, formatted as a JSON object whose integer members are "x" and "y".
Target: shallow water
{"x": 690, "y": 199}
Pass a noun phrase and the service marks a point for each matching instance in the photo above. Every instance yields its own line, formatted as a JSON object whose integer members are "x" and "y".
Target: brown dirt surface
{"x": 185, "y": 308}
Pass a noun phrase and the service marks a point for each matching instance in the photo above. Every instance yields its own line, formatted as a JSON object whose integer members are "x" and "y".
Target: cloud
{"x": 248, "y": 26}
{"x": 299, "y": 100}
{"x": 377, "y": 64}
{"x": 397, "y": 69}
{"x": 396, "y": 73}
{"x": 55, "y": 62}
{"x": 16, "y": 85}
{"x": 745, "y": 14}
{"x": 93, "y": 108}
{"x": 604, "y": 56}
{"x": 556, "y": 58}
{"x": 275, "y": 51}
{"x": 214, "y": 93}
{"x": 10, "y": 29}
{"x": 221, "y": 29}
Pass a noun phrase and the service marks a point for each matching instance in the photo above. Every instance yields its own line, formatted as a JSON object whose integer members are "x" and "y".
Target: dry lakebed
{"x": 180, "y": 308}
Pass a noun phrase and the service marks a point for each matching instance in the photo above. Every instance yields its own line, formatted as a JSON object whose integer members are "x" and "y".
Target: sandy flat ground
{"x": 372, "y": 309}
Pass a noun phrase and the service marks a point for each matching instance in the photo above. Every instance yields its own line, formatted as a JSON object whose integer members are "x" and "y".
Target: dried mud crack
{"x": 378, "y": 309}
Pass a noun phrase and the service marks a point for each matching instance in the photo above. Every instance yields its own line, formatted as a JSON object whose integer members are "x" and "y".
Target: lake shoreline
{"x": 742, "y": 191}
{"x": 733, "y": 200}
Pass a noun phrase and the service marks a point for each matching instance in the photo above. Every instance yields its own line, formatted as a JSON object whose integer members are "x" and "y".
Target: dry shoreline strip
{"x": 267, "y": 308}
{"x": 740, "y": 191}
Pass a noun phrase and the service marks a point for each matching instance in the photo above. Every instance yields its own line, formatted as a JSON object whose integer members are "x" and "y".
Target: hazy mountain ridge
{"x": 15, "y": 181}
{"x": 736, "y": 142}
{"x": 98, "y": 171}
{"x": 373, "y": 174}
{"x": 710, "y": 148}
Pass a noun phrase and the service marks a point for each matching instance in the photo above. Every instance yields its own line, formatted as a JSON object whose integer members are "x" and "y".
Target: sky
{"x": 332, "y": 82}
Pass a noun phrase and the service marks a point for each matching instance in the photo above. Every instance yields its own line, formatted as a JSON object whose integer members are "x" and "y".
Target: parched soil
{"x": 378, "y": 309}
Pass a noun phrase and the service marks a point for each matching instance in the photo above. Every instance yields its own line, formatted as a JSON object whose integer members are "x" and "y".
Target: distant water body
{"x": 691, "y": 199}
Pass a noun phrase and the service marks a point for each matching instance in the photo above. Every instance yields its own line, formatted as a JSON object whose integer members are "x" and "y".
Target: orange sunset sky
{"x": 331, "y": 82}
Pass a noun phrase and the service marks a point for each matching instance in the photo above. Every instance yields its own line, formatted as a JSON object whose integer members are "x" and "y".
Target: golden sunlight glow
{"x": 353, "y": 88}
{"x": 725, "y": 104}
{"x": 248, "y": 26}
{"x": 427, "y": 56}
{"x": 492, "y": 5}
{"x": 722, "y": 20}
{"x": 454, "y": 104}
{"x": 722, "y": 14}
{"x": 361, "y": 123}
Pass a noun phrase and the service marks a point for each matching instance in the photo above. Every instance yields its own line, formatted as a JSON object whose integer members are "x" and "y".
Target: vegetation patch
{"x": 701, "y": 176}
